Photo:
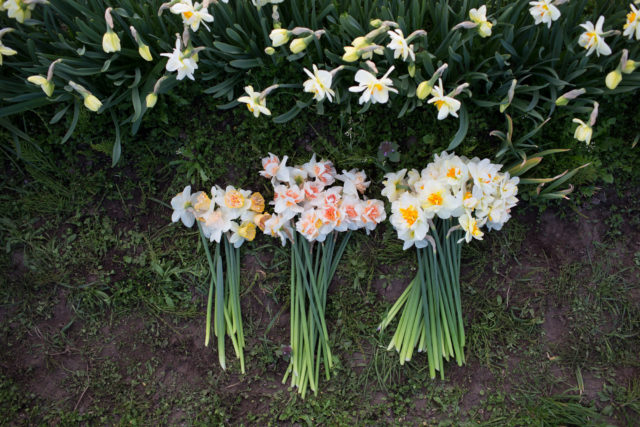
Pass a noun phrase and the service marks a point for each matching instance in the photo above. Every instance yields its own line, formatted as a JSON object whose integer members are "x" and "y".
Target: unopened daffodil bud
{"x": 568, "y": 96}
{"x": 110, "y": 42}
{"x": 300, "y": 44}
{"x": 350, "y": 54}
{"x": 412, "y": 69}
{"x": 269, "y": 50}
{"x": 92, "y": 103}
{"x": 151, "y": 100}
{"x": 145, "y": 53}
{"x": 613, "y": 79}
{"x": 630, "y": 66}
{"x": 360, "y": 42}
{"x": 279, "y": 36}
{"x": 46, "y": 85}
{"x": 375, "y": 23}
{"x": 424, "y": 90}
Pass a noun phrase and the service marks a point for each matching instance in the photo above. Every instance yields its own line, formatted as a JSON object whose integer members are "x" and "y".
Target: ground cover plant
{"x": 104, "y": 299}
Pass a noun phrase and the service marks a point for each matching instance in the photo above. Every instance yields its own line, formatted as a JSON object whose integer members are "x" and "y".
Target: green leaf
{"x": 462, "y": 129}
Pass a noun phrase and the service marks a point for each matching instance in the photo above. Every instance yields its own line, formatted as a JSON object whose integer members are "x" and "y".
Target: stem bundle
{"x": 311, "y": 275}
{"x": 431, "y": 318}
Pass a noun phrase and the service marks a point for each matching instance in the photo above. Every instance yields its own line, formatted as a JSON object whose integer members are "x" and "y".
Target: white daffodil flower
{"x": 471, "y": 227}
{"x": 632, "y": 26}
{"x": 192, "y": 14}
{"x": 593, "y": 38}
{"x": 400, "y": 46}
{"x": 373, "y": 89}
{"x": 544, "y": 12}
{"x": 319, "y": 84}
{"x": 256, "y": 103}
{"x": 182, "y": 205}
{"x": 41, "y": 81}
{"x": 479, "y": 16}
{"x": 392, "y": 185}
{"x": 583, "y": 131}
{"x": 18, "y": 9}
{"x": 180, "y": 62}
{"x": 445, "y": 104}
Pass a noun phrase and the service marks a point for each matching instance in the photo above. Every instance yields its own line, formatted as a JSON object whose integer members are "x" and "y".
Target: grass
{"x": 103, "y": 299}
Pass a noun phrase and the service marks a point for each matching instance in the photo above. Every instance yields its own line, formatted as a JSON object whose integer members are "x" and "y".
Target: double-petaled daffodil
{"x": 583, "y": 131}
{"x": 256, "y": 103}
{"x": 445, "y": 104}
{"x": 632, "y": 26}
{"x": 18, "y": 9}
{"x": 400, "y": 46}
{"x": 593, "y": 38}
{"x": 544, "y": 12}
{"x": 471, "y": 227}
{"x": 182, "y": 62}
{"x": 373, "y": 89}
{"x": 46, "y": 85}
{"x": 479, "y": 16}
{"x": 319, "y": 84}
{"x": 279, "y": 36}
{"x": 192, "y": 14}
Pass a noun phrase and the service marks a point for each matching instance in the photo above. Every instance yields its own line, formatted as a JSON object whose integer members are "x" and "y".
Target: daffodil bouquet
{"x": 310, "y": 212}
{"x": 435, "y": 210}
{"x": 226, "y": 216}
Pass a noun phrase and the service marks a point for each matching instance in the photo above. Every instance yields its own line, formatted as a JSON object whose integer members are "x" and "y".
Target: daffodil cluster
{"x": 306, "y": 199}
{"x": 473, "y": 191}
{"x": 230, "y": 210}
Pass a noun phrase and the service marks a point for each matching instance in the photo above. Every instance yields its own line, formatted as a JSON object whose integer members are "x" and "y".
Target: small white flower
{"x": 180, "y": 62}
{"x": 256, "y": 103}
{"x": 376, "y": 90}
{"x": 192, "y": 15}
{"x": 400, "y": 46}
{"x": 479, "y": 16}
{"x": 593, "y": 39}
{"x": 632, "y": 26}
{"x": 445, "y": 104}
{"x": 18, "y": 9}
{"x": 583, "y": 131}
{"x": 319, "y": 84}
{"x": 182, "y": 205}
{"x": 471, "y": 227}
{"x": 544, "y": 12}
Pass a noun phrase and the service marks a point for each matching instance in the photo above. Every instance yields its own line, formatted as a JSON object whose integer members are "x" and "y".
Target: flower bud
{"x": 375, "y": 23}
{"x": 360, "y": 42}
{"x": 613, "y": 79}
{"x": 145, "y": 53}
{"x": 423, "y": 90}
{"x": 151, "y": 100}
{"x": 279, "y": 36}
{"x": 92, "y": 103}
{"x": 630, "y": 66}
{"x": 269, "y": 50}
{"x": 412, "y": 69}
{"x": 350, "y": 54}
{"x": 299, "y": 44}
{"x": 110, "y": 42}
{"x": 562, "y": 101}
